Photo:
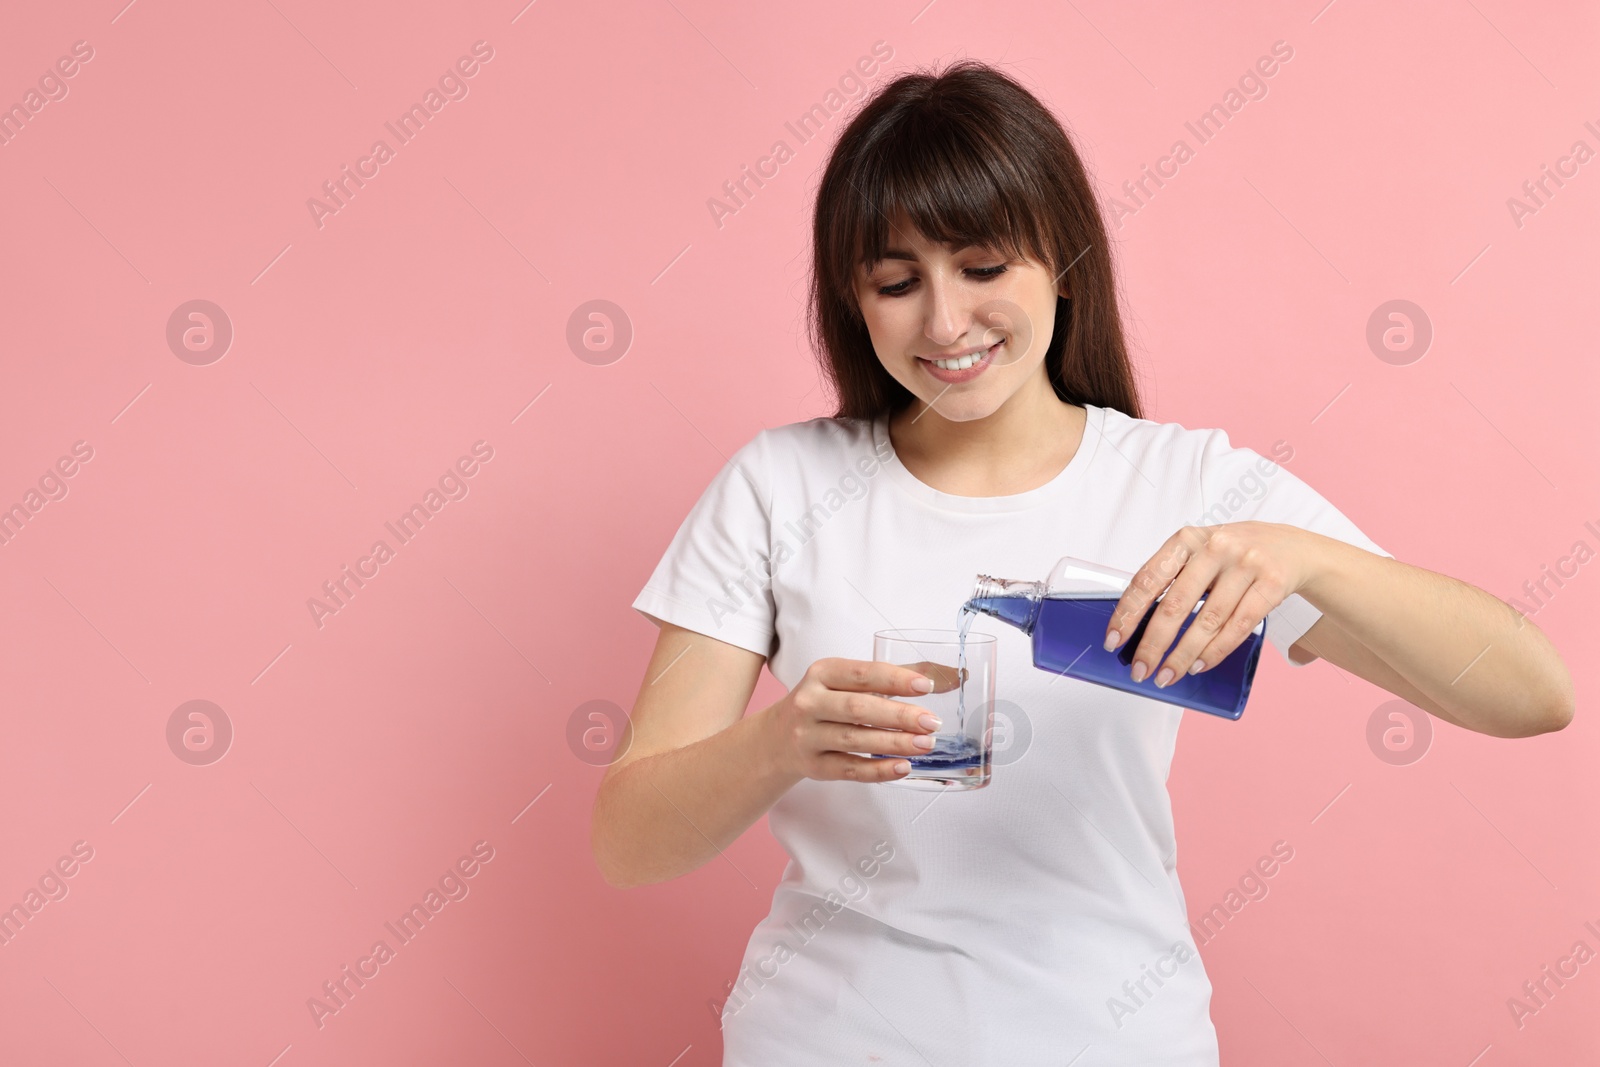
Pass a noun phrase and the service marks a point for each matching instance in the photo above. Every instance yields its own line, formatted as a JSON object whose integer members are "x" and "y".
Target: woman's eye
{"x": 982, "y": 273}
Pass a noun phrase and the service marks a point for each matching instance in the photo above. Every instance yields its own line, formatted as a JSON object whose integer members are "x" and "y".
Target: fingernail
{"x": 1197, "y": 666}
{"x": 1139, "y": 671}
{"x": 930, "y": 722}
{"x": 923, "y": 685}
{"x": 1164, "y": 678}
{"x": 1111, "y": 640}
{"x": 923, "y": 740}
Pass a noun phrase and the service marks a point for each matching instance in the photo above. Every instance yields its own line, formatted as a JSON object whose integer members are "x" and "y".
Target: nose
{"x": 948, "y": 318}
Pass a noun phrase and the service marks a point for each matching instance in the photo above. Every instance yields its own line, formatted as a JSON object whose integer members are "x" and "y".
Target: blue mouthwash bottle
{"x": 1067, "y": 616}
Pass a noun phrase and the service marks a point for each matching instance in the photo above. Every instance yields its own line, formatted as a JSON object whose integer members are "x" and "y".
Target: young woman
{"x": 956, "y": 228}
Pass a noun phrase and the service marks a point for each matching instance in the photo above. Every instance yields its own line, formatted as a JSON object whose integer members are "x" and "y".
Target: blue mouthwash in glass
{"x": 1068, "y": 614}
{"x": 953, "y": 750}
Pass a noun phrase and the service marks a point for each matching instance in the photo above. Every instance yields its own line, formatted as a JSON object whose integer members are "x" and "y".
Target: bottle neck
{"x": 1010, "y": 600}
{"x": 992, "y": 587}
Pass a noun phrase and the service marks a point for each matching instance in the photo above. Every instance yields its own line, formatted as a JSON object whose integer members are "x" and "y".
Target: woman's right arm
{"x": 699, "y": 772}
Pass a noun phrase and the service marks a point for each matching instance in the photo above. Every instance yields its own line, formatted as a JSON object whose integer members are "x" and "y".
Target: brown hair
{"x": 968, "y": 156}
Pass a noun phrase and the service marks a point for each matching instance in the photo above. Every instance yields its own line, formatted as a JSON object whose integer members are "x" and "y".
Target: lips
{"x": 956, "y": 377}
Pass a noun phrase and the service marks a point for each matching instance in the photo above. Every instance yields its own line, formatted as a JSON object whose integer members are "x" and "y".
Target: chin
{"x": 964, "y": 409}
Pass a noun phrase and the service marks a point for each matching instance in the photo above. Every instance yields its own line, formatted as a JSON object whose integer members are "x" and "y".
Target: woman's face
{"x": 925, "y": 302}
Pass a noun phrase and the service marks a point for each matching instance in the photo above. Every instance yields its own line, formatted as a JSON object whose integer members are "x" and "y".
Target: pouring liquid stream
{"x": 964, "y": 619}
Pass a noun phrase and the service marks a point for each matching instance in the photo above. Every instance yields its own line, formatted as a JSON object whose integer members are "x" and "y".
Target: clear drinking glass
{"x": 963, "y": 746}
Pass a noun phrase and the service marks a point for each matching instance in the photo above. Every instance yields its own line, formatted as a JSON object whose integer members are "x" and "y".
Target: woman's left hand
{"x": 1249, "y": 568}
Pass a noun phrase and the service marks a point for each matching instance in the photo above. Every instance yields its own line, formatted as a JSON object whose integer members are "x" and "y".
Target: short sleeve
{"x": 716, "y": 577}
{"x": 1239, "y": 485}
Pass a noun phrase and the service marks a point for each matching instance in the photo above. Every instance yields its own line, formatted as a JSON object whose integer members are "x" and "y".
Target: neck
{"x": 1024, "y": 443}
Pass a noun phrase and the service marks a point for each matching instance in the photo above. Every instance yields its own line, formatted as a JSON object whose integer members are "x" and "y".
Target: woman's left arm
{"x": 1475, "y": 660}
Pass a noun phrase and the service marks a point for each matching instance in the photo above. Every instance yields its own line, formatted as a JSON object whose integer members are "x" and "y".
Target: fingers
{"x": 1174, "y": 608}
{"x": 843, "y": 737}
{"x": 846, "y": 712}
{"x": 869, "y": 709}
{"x": 1148, "y": 582}
{"x": 945, "y": 677}
{"x": 842, "y": 766}
{"x": 1210, "y": 629}
{"x": 1245, "y": 616}
{"x": 867, "y": 676}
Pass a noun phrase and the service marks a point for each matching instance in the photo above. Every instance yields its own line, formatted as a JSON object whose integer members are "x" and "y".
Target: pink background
{"x": 372, "y": 752}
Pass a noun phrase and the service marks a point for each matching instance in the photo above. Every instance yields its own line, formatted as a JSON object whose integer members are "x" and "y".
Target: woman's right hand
{"x": 835, "y": 711}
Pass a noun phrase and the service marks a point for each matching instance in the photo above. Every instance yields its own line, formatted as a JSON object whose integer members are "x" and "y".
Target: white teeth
{"x": 964, "y": 363}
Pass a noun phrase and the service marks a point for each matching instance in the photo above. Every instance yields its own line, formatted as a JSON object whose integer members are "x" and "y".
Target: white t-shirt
{"x": 1015, "y": 924}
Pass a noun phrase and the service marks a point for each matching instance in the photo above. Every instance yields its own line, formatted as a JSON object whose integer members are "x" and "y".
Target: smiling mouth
{"x": 964, "y": 368}
{"x": 966, "y": 362}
